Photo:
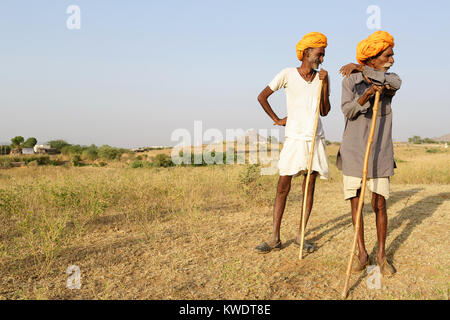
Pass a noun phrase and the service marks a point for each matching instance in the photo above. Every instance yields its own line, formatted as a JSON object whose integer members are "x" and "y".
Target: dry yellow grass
{"x": 189, "y": 233}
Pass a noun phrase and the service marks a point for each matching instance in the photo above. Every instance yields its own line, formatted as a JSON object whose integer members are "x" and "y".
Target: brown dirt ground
{"x": 209, "y": 255}
{"x": 206, "y": 251}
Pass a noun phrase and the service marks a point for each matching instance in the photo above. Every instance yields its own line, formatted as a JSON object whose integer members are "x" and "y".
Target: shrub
{"x": 43, "y": 160}
{"x": 250, "y": 181}
{"x": 162, "y": 160}
{"x": 76, "y": 160}
{"x": 419, "y": 140}
{"x": 58, "y": 144}
{"x": 5, "y": 149}
{"x": 33, "y": 163}
{"x": 90, "y": 153}
{"x": 5, "y": 162}
{"x": 110, "y": 153}
{"x": 250, "y": 174}
{"x": 137, "y": 164}
{"x": 55, "y": 162}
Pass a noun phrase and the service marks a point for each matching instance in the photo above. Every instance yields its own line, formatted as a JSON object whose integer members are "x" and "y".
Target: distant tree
{"x": 58, "y": 144}
{"x": 415, "y": 140}
{"x": 428, "y": 140}
{"x": 17, "y": 142}
{"x": 30, "y": 143}
{"x": 419, "y": 140}
{"x": 5, "y": 149}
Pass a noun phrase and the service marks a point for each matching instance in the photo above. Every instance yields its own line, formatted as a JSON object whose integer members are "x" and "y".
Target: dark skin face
{"x": 382, "y": 62}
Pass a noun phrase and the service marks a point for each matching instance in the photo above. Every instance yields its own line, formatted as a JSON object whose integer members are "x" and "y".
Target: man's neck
{"x": 306, "y": 68}
{"x": 381, "y": 69}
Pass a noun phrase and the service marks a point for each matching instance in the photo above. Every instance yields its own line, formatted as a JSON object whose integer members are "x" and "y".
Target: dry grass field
{"x": 189, "y": 233}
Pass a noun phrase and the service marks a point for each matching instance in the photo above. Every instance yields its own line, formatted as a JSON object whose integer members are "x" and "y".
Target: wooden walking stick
{"x": 363, "y": 190}
{"x": 311, "y": 153}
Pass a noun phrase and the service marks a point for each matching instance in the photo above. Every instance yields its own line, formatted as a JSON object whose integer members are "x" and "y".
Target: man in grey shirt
{"x": 360, "y": 83}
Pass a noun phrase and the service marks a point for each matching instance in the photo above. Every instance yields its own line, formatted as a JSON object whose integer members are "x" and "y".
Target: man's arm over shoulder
{"x": 349, "y": 101}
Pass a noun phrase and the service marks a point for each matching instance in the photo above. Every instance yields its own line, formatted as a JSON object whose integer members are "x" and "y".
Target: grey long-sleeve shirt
{"x": 350, "y": 158}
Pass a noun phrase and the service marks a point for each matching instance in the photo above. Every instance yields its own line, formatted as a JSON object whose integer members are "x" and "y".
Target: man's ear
{"x": 306, "y": 53}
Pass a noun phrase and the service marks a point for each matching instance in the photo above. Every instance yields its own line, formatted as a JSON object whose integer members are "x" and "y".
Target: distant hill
{"x": 251, "y": 136}
{"x": 442, "y": 138}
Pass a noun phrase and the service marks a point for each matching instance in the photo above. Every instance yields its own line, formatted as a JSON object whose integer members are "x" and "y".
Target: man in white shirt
{"x": 302, "y": 87}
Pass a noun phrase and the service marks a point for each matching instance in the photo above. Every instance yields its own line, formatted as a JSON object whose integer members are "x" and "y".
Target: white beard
{"x": 387, "y": 66}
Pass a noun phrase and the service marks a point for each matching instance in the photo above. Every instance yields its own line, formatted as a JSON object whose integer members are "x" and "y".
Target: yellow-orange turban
{"x": 310, "y": 40}
{"x": 374, "y": 44}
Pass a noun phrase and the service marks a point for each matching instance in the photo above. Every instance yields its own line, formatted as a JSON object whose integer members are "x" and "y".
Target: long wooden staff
{"x": 311, "y": 154}
{"x": 363, "y": 190}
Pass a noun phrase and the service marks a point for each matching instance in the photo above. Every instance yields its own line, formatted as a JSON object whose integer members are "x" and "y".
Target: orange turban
{"x": 374, "y": 44}
{"x": 310, "y": 40}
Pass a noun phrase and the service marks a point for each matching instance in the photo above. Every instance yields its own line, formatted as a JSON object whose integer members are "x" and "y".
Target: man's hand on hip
{"x": 280, "y": 122}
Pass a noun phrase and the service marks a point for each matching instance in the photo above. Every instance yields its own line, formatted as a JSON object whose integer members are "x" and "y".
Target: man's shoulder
{"x": 353, "y": 79}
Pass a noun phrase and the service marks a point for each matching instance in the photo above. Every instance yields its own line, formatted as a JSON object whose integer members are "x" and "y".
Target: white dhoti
{"x": 294, "y": 158}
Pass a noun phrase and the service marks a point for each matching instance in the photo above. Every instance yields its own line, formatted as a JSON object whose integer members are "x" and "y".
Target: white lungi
{"x": 294, "y": 158}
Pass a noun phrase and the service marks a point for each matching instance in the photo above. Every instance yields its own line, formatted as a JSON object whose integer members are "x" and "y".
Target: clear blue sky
{"x": 137, "y": 70}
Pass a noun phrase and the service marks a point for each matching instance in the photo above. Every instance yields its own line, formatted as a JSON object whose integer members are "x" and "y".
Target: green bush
{"x": 41, "y": 160}
{"x": 419, "y": 140}
{"x": 90, "y": 153}
{"x": 137, "y": 164}
{"x": 162, "y": 160}
{"x": 5, "y": 149}
{"x": 58, "y": 144}
{"x": 55, "y": 162}
{"x": 250, "y": 174}
{"x": 251, "y": 183}
{"x": 5, "y": 162}
{"x": 141, "y": 164}
{"x": 222, "y": 155}
{"x": 76, "y": 160}
{"x": 111, "y": 153}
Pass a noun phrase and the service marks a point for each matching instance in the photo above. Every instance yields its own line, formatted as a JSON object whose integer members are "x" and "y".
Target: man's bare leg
{"x": 379, "y": 207}
{"x": 309, "y": 201}
{"x": 283, "y": 188}
{"x": 363, "y": 256}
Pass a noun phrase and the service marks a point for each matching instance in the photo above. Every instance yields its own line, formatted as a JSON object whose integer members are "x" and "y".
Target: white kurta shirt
{"x": 301, "y": 102}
